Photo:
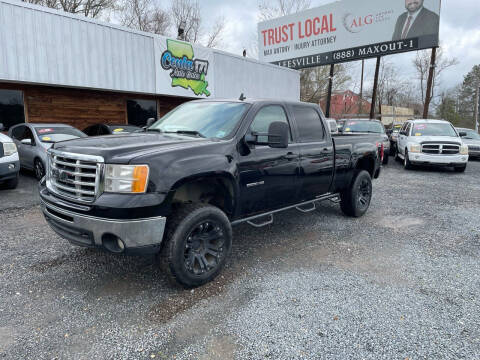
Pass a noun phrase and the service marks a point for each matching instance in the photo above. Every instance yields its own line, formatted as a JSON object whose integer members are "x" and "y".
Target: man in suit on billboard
{"x": 416, "y": 21}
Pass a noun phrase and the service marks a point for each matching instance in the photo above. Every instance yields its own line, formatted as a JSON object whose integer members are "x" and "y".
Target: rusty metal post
{"x": 428, "y": 96}
{"x": 375, "y": 85}
{"x": 329, "y": 96}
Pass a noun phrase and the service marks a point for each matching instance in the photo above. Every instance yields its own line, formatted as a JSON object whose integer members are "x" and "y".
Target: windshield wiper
{"x": 156, "y": 130}
{"x": 186, "y": 132}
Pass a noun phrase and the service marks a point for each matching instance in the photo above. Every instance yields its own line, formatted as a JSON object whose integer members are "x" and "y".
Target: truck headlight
{"x": 126, "y": 178}
{"x": 415, "y": 148}
{"x": 464, "y": 150}
{"x": 9, "y": 148}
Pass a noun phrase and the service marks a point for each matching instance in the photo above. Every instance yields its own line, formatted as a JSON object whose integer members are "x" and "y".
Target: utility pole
{"x": 477, "y": 95}
{"x": 330, "y": 85}
{"x": 428, "y": 96}
{"x": 375, "y": 85}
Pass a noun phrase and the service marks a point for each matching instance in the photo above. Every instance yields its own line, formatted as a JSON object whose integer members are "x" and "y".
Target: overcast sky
{"x": 459, "y": 34}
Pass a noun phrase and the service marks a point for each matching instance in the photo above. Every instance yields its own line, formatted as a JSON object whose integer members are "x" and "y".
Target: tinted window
{"x": 364, "y": 126}
{"x": 139, "y": 111}
{"x": 265, "y": 117}
{"x": 22, "y": 132}
{"x": 11, "y": 108}
{"x": 310, "y": 128}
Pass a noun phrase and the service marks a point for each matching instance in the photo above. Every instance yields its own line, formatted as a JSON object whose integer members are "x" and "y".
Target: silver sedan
{"x": 472, "y": 139}
{"x": 33, "y": 141}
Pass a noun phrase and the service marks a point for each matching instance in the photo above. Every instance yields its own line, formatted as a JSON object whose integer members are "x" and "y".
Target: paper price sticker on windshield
{"x": 43, "y": 131}
{"x": 347, "y": 129}
{"x": 420, "y": 127}
{"x": 118, "y": 130}
{"x": 418, "y": 134}
{"x": 46, "y": 138}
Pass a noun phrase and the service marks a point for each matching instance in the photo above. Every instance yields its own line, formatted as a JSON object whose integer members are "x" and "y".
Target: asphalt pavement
{"x": 401, "y": 282}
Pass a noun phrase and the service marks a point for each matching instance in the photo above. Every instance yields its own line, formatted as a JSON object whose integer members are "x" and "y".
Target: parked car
{"x": 393, "y": 136}
{"x": 472, "y": 139}
{"x": 203, "y": 167}
{"x": 108, "y": 129}
{"x": 9, "y": 162}
{"x": 33, "y": 141}
{"x": 332, "y": 125}
{"x": 367, "y": 126}
{"x": 431, "y": 142}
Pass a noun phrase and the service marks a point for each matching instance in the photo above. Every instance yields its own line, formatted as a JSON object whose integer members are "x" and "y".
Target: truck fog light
{"x": 11, "y": 166}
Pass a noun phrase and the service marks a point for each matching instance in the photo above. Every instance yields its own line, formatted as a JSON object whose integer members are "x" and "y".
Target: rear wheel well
{"x": 366, "y": 163}
{"x": 216, "y": 191}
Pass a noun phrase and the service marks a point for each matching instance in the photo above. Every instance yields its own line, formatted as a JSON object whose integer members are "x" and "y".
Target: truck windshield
{"x": 363, "y": 126}
{"x": 433, "y": 129}
{"x": 205, "y": 119}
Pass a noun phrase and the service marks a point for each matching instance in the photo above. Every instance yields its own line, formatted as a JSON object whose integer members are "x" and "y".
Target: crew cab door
{"x": 403, "y": 137}
{"x": 271, "y": 173}
{"x": 316, "y": 152}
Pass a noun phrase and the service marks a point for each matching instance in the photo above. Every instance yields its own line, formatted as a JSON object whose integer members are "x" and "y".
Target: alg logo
{"x": 355, "y": 24}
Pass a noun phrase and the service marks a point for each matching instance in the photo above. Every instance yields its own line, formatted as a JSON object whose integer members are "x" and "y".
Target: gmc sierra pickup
{"x": 177, "y": 188}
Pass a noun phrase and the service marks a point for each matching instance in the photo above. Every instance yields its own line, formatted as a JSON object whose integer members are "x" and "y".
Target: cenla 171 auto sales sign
{"x": 349, "y": 30}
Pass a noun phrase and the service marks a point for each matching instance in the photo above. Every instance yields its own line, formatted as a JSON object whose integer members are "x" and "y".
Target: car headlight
{"x": 464, "y": 150}
{"x": 415, "y": 148}
{"x": 126, "y": 178}
{"x": 9, "y": 148}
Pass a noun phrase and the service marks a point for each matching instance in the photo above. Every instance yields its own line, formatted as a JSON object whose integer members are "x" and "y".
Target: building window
{"x": 139, "y": 111}
{"x": 11, "y": 108}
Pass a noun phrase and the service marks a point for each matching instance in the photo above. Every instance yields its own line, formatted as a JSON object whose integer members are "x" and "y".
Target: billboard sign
{"x": 349, "y": 30}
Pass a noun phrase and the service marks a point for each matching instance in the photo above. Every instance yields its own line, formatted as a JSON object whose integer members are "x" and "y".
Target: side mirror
{"x": 150, "y": 122}
{"x": 2, "y": 127}
{"x": 26, "y": 141}
{"x": 462, "y": 133}
{"x": 278, "y": 134}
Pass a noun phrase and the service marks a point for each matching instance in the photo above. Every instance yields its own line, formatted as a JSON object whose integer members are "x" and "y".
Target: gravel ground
{"x": 401, "y": 282}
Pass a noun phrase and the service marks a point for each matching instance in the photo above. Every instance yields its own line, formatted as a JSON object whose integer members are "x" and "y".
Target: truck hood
{"x": 123, "y": 148}
{"x": 471, "y": 142}
{"x": 435, "y": 139}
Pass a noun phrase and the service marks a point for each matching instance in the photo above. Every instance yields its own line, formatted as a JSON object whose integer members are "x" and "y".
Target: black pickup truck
{"x": 177, "y": 188}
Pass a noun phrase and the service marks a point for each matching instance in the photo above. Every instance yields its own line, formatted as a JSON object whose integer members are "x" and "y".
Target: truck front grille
{"x": 74, "y": 176}
{"x": 445, "y": 149}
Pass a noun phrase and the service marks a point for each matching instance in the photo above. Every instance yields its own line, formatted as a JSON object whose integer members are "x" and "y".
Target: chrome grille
{"x": 445, "y": 149}
{"x": 74, "y": 176}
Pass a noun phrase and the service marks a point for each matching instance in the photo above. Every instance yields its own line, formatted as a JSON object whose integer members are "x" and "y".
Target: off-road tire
{"x": 181, "y": 223}
{"x": 354, "y": 201}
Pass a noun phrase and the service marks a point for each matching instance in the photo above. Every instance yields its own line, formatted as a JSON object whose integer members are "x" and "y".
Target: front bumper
{"x": 444, "y": 160}
{"x": 138, "y": 236}
{"x": 9, "y": 169}
{"x": 474, "y": 153}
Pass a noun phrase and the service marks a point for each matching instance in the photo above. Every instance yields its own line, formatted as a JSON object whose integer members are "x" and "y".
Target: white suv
{"x": 431, "y": 142}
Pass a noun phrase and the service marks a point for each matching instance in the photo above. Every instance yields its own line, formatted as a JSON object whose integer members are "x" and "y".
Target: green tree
{"x": 471, "y": 82}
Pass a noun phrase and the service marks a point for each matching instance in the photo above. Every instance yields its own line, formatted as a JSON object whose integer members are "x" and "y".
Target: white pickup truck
{"x": 431, "y": 142}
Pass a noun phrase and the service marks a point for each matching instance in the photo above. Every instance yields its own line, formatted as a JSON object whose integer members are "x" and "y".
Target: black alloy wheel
{"x": 204, "y": 248}
{"x": 364, "y": 194}
{"x": 39, "y": 169}
{"x": 355, "y": 200}
{"x": 196, "y": 245}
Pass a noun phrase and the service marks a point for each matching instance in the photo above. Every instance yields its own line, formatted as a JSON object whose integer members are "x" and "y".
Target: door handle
{"x": 290, "y": 156}
{"x": 326, "y": 151}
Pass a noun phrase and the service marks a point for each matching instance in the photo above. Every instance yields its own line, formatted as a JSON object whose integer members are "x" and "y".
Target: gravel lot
{"x": 401, "y": 282}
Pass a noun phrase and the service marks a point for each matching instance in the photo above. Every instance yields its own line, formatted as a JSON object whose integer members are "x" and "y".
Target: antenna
{"x": 242, "y": 97}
